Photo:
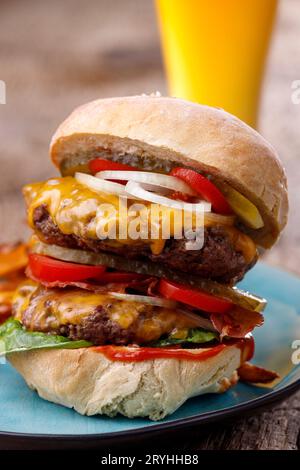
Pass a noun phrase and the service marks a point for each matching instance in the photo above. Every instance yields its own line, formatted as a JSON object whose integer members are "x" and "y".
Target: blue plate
{"x": 24, "y": 414}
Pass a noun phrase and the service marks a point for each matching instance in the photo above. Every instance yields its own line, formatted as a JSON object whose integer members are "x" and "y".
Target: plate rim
{"x": 205, "y": 418}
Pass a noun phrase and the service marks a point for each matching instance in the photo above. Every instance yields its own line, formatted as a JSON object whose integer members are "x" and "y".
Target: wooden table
{"x": 56, "y": 55}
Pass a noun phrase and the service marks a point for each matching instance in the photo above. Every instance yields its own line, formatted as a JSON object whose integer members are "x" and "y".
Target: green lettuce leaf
{"x": 195, "y": 335}
{"x": 14, "y": 338}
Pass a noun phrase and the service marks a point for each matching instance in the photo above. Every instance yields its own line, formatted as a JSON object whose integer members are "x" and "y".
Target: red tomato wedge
{"x": 100, "y": 164}
{"x": 50, "y": 269}
{"x": 194, "y": 298}
{"x": 205, "y": 188}
{"x": 181, "y": 197}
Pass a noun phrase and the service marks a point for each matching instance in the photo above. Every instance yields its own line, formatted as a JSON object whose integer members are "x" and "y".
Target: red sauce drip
{"x": 121, "y": 353}
{"x": 138, "y": 354}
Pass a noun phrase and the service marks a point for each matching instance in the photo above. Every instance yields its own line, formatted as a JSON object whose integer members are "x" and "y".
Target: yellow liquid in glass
{"x": 215, "y": 51}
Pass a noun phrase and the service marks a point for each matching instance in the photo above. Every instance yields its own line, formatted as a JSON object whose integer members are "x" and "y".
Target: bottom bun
{"x": 91, "y": 383}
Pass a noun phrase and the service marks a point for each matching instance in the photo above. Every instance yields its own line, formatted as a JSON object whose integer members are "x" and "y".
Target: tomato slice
{"x": 100, "y": 164}
{"x": 50, "y": 269}
{"x": 205, "y": 188}
{"x": 177, "y": 195}
{"x": 194, "y": 298}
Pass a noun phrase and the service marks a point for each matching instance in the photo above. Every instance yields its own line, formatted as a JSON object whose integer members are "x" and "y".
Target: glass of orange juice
{"x": 215, "y": 51}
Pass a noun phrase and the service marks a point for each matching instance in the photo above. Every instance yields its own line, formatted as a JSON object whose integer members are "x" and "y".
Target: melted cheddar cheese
{"x": 41, "y": 309}
{"x": 74, "y": 208}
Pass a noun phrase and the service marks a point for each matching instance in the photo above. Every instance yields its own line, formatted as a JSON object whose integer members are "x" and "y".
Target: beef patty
{"x": 98, "y": 318}
{"x": 218, "y": 259}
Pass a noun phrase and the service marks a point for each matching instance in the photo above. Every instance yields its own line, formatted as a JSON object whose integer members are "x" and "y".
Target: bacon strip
{"x": 255, "y": 374}
{"x": 237, "y": 323}
{"x": 138, "y": 285}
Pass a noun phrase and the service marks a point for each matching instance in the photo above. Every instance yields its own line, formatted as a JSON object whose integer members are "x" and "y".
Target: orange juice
{"x": 215, "y": 51}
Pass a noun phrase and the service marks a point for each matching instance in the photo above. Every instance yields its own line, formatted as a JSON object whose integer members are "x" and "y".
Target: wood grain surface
{"x": 56, "y": 55}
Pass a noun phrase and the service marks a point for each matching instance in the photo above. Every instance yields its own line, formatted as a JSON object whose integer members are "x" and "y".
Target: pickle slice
{"x": 244, "y": 208}
{"x": 238, "y": 297}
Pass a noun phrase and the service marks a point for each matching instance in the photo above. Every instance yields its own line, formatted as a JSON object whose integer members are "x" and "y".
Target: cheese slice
{"x": 75, "y": 209}
{"x": 42, "y": 309}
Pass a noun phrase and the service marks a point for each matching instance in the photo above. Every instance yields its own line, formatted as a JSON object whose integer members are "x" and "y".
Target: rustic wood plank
{"x": 277, "y": 429}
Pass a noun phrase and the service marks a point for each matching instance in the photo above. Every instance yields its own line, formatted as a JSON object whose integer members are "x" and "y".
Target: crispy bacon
{"x": 255, "y": 374}
{"x": 140, "y": 285}
{"x": 237, "y": 322}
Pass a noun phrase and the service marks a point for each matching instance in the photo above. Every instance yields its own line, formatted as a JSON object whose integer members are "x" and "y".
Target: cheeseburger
{"x": 130, "y": 304}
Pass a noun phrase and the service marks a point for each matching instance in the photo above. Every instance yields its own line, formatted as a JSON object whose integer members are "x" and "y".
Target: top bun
{"x": 201, "y": 137}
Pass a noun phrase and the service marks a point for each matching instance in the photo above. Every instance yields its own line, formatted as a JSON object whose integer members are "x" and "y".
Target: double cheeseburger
{"x": 111, "y": 324}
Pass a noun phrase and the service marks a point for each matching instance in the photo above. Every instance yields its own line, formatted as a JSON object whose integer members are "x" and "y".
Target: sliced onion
{"x": 201, "y": 322}
{"x": 97, "y": 184}
{"x": 145, "y": 299}
{"x": 152, "y": 180}
{"x": 137, "y": 190}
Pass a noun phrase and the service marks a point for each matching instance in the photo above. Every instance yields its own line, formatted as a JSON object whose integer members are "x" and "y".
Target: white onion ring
{"x": 97, "y": 184}
{"x": 152, "y": 180}
{"x": 145, "y": 299}
{"x": 201, "y": 322}
{"x": 137, "y": 190}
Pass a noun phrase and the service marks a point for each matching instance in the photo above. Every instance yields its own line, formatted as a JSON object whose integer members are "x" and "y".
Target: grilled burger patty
{"x": 98, "y": 318}
{"x": 218, "y": 259}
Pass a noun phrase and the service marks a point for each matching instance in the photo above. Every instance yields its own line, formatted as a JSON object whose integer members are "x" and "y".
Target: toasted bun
{"x": 92, "y": 384}
{"x": 201, "y": 137}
